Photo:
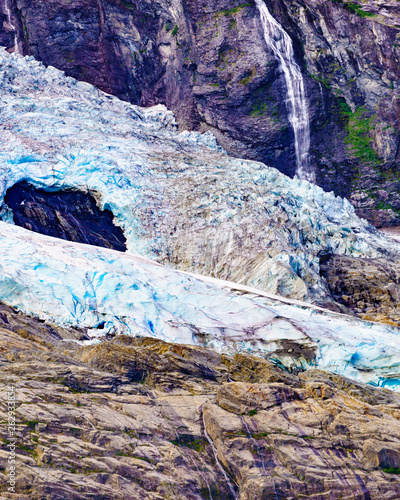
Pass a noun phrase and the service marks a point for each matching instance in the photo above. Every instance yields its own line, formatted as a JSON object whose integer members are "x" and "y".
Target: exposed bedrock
{"x": 134, "y": 418}
{"x": 208, "y": 62}
{"x": 70, "y": 215}
{"x": 368, "y": 287}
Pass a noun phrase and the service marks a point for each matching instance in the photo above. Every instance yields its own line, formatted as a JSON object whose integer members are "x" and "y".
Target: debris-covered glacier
{"x": 106, "y": 291}
{"x": 178, "y": 197}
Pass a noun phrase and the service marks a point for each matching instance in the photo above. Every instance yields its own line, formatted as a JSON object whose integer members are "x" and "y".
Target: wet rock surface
{"x": 70, "y": 215}
{"x": 208, "y": 62}
{"x": 140, "y": 418}
{"x": 368, "y": 287}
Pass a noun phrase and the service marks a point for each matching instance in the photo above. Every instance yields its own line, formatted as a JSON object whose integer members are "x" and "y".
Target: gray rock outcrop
{"x": 139, "y": 418}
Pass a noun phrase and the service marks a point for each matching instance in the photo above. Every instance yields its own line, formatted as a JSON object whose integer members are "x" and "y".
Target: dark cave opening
{"x": 70, "y": 215}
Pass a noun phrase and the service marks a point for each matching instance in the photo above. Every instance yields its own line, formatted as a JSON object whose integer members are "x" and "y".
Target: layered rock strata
{"x": 141, "y": 418}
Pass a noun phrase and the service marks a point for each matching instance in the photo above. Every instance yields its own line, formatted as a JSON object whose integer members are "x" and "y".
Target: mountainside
{"x": 209, "y": 63}
{"x": 138, "y": 418}
{"x": 179, "y": 320}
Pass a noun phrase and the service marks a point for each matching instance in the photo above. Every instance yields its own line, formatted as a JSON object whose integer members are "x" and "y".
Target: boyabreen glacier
{"x": 184, "y": 203}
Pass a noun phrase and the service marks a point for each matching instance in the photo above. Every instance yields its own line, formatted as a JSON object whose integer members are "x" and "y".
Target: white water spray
{"x": 281, "y": 44}
{"x": 12, "y": 26}
{"x": 228, "y": 481}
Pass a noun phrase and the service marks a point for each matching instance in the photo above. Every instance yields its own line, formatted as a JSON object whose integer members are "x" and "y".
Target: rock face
{"x": 208, "y": 62}
{"x": 368, "y": 287}
{"x": 72, "y": 216}
{"x": 141, "y": 418}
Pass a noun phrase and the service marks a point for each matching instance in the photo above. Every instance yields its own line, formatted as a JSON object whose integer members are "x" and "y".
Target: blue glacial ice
{"x": 183, "y": 202}
{"x": 106, "y": 291}
{"x": 180, "y": 199}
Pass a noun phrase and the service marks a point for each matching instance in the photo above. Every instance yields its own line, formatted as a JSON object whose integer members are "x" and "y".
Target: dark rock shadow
{"x": 69, "y": 215}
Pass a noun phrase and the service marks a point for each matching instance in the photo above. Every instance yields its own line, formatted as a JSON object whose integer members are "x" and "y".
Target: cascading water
{"x": 281, "y": 44}
{"x": 228, "y": 481}
{"x": 12, "y": 26}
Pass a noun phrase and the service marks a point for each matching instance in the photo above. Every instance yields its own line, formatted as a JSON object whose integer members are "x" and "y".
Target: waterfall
{"x": 12, "y": 26}
{"x": 296, "y": 101}
{"x": 228, "y": 481}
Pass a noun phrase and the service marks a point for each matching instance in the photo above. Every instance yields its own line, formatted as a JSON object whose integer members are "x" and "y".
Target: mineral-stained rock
{"x": 183, "y": 429}
{"x": 242, "y": 398}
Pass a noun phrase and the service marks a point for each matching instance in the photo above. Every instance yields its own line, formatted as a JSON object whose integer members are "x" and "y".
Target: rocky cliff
{"x": 140, "y": 418}
{"x": 209, "y": 63}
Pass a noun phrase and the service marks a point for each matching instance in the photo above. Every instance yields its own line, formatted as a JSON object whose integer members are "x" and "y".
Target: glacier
{"x": 179, "y": 198}
{"x": 110, "y": 292}
{"x": 195, "y": 220}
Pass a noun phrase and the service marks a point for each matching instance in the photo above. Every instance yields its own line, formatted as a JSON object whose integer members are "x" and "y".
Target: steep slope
{"x": 208, "y": 61}
{"x": 141, "y": 418}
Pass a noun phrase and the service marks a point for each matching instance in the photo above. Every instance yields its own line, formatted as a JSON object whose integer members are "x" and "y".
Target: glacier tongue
{"x": 183, "y": 202}
{"x": 178, "y": 197}
{"x": 74, "y": 284}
